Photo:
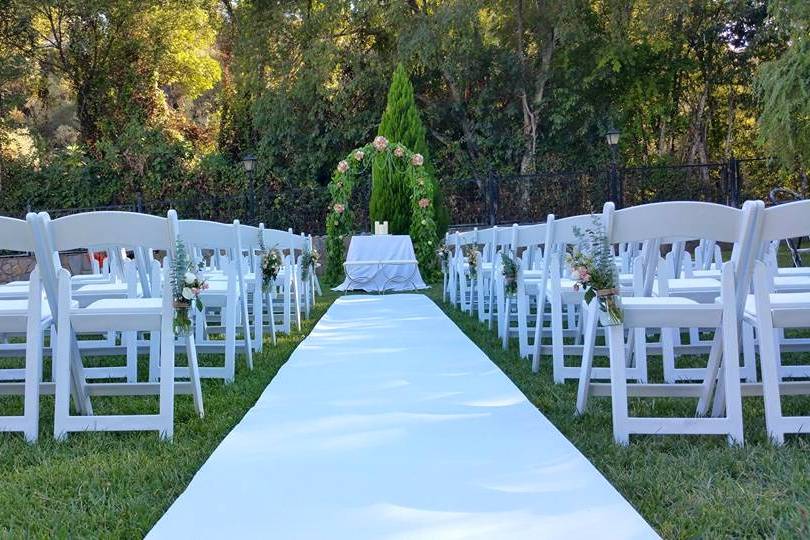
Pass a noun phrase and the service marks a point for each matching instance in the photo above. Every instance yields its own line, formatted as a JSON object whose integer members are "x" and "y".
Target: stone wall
{"x": 17, "y": 268}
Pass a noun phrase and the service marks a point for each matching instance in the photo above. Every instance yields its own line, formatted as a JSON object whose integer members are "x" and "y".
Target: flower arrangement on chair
{"x": 594, "y": 270}
{"x": 443, "y": 253}
{"x": 271, "y": 262}
{"x": 509, "y": 269}
{"x": 186, "y": 288}
{"x": 472, "y": 254}
{"x": 309, "y": 261}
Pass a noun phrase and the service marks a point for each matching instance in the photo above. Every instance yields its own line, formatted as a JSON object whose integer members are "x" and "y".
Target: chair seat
{"x": 19, "y": 308}
{"x": 14, "y": 291}
{"x": 699, "y": 289}
{"x": 780, "y": 301}
{"x": 118, "y": 306}
{"x": 793, "y": 271}
{"x": 707, "y": 274}
{"x": 669, "y": 311}
{"x": 795, "y": 283}
{"x": 115, "y": 288}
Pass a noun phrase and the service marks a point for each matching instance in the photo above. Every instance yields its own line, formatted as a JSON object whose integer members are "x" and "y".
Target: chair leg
{"x": 131, "y": 340}
{"x": 668, "y": 354}
{"x": 523, "y": 321}
{"x": 154, "y": 355}
{"x": 585, "y": 368}
{"x": 731, "y": 373}
{"x": 62, "y": 381}
{"x": 33, "y": 372}
{"x": 640, "y": 349}
{"x": 749, "y": 354}
{"x": 710, "y": 379}
{"x": 230, "y": 342}
{"x": 271, "y": 315}
{"x": 166, "y": 377}
{"x": 258, "y": 318}
{"x": 768, "y": 354}
{"x": 246, "y": 330}
{"x": 194, "y": 375}
{"x": 618, "y": 384}
{"x": 558, "y": 358}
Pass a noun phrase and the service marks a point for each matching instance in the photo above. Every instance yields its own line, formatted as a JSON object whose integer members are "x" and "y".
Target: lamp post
{"x": 616, "y": 189}
{"x": 249, "y": 164}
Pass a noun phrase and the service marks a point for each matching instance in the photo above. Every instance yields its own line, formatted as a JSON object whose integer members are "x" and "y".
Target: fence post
{"x": 492, "y": 184}
{"x": 139, "y": 202}
{"x": 735, "y": 181}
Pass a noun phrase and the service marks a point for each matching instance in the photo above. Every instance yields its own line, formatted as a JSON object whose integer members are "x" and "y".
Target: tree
{"x": 116, "y": 55}
{"x": 783, "y": 86}
{"x": 390, "y": 194}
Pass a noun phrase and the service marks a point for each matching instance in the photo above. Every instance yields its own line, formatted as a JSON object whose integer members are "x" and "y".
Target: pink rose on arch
{"x": 339, "y": 208}
{"x": 380, "y": 143}
{"x": 359, "y": 155}
{"x": 424, "y": 202}
{"x": 418, "y": 160}
{"x": 399, "y": 151}
{"x": 343, "y": 166}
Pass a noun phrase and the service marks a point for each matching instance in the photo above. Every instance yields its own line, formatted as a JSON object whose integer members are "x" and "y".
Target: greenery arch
{"x": 340, "y": 217}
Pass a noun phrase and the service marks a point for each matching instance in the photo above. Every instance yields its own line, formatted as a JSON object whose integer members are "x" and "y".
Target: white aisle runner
{"x": 388, "y": 423}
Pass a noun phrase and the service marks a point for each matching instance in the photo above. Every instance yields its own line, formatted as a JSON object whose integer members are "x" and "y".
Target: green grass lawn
{"x": 118, "y": 485}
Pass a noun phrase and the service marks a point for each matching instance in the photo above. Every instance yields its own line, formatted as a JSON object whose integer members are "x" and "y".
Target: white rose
{"x": 190, "y": 278}
{"x": 187, "y": 294}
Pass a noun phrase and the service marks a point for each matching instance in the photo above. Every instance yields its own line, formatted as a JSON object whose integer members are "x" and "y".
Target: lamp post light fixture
{"x": 616, "y": 189}
{"x": 249, "y": 164}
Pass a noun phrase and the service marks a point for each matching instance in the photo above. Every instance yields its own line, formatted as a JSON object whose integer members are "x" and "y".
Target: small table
{"x": 384, "y": 262}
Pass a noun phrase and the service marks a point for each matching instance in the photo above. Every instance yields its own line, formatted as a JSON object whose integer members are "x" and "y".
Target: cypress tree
{"x": 390, "y": 194}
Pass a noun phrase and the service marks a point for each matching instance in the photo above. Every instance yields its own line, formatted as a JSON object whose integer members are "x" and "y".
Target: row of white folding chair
{"x": 287, "y": 283}
{"x": 461, "y": 284}
{"x": 148, "y": 314}
{"x": 225, "y": 299}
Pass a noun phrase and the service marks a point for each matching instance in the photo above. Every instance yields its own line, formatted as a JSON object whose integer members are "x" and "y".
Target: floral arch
{"x": 340, "y": 217}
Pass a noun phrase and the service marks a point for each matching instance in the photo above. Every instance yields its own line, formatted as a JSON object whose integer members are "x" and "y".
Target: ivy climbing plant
{"x": 340, "y": 218}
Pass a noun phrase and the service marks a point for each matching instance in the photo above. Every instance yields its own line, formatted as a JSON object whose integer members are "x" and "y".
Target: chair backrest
{"x": 202, "y": 234}
{"x": 687, "y": 220}
{"x": 276, "y": 239}
{"x": 562, "y": 232}
{"x": 15, "y": 235}
{"x": 530, "y": 236}
{"x": 789, "y": 220}
{"x": 79, "y": 231}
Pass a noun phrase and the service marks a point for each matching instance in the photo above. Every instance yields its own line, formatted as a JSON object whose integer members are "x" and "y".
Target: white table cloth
{"x": 388, "y": 423}
{"x": 381, "y": 276}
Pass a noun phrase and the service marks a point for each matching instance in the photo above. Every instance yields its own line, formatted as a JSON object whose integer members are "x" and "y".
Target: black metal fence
{"x": 490, "y": 198}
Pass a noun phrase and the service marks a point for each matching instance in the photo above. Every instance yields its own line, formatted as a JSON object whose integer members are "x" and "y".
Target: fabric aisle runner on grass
{"x": 387, "y": 422}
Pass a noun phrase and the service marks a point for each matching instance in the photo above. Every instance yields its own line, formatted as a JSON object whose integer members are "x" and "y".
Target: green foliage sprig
{"x": 186, "y": 288}
{"x": 309, "y": 261}
{"x": 593, "y": 268}
{"x": 472, "y": 254}
{"x": 509, "y": 269}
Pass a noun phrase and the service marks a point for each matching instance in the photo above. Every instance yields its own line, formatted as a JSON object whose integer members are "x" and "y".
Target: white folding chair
{"x": 770, "y": 311}
{"x": 285, "y": 284}
{"x": 117, "y": 314}
{"x": 686, "y": 220}
{"x": 29, "y": 317}
{"x": 226, "y": 293}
